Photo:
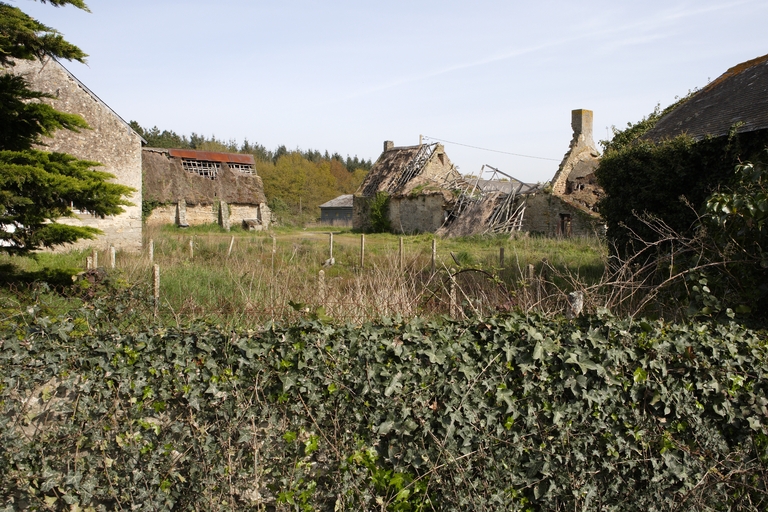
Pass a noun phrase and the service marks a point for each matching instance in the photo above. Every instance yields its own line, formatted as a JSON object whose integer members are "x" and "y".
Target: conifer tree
{"x": 38, "y": 187}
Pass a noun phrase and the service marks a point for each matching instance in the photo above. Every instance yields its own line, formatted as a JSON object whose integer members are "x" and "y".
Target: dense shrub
{"x": 509, "y": 413}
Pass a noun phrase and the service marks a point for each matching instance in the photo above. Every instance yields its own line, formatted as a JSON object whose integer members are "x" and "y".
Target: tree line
{"x": 296, "y": 181}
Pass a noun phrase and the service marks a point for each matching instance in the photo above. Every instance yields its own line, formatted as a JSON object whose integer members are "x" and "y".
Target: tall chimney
{"x": 581, "y": 122}
{"x": 388, "y": 144}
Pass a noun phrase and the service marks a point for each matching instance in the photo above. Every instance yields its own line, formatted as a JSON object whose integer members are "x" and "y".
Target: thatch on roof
{"x": 385, "y": 173}
{"x": 166, "y": 181}
{"x": 738, "y": 98}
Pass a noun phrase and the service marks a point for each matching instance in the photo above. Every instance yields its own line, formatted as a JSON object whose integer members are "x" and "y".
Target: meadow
{"x": 244, "y": 279}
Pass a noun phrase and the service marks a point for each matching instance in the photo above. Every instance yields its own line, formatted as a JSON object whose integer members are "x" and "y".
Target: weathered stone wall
{"x": 110, "y": 141}
{"x": 423, "y": 213}
{"x": 545, "y": 214}
{"x": 199, "y": 214}
{"x": 574, "y": 179}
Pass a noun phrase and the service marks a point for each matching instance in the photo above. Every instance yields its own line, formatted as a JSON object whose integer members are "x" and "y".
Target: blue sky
{"x": 345, "y": 76}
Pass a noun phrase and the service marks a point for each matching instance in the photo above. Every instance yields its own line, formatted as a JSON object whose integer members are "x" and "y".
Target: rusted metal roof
{"x": 212, "y": 156}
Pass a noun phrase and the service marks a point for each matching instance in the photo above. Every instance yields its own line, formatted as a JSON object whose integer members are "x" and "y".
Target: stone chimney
{"x": 581, "y": 122}
{"x": 388, "y": 144}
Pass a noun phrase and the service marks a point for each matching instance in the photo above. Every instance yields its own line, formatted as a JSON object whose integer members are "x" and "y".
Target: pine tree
{"x": 39, "y": 187}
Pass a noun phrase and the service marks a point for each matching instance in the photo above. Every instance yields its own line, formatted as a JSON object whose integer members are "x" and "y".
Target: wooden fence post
{"x": 274, "y": 252}
{"x": 434, "y": 254}
{"x": 88, "y": 262}
{"x": 330, "y": 245}
{"x": 191, "y": 247}
{"x": 362, "y": 250}
{"x": 151, "y": 250}
{"x": 231, "y": 243}
{"x": 95, "y": 256}
{"x": 112, "y": 259}
{"x": 453, "y": 303}
{"x": 321, "y": 286}
{"x": 156, "y": 283}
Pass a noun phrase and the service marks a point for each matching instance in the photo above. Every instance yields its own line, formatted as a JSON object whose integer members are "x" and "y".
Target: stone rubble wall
{"x": 110, "y": 141}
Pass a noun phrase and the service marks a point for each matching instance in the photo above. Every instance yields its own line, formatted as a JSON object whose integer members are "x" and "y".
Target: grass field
{"x": 244, "y": 279}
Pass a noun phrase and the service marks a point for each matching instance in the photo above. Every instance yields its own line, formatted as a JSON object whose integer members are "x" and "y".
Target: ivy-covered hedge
{"x": 509, "y": 413}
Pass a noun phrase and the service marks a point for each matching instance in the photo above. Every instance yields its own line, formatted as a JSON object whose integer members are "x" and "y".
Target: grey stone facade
{"x": 110, "y": 141}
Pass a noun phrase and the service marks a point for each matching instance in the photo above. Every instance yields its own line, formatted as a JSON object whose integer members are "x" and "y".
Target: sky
{"x": 494, "y": 81}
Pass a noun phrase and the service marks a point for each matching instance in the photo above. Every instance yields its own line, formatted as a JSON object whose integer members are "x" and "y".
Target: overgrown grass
{"x": 235, "y": 279}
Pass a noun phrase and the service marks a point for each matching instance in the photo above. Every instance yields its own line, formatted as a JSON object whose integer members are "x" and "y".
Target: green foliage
{"x": 509, "y": 413}
{"x": 735, "y": 221}
{"x": 22, "y": 37}
{"x": 670, "y": 180}
{"x": 24, "y": 119}
{"x": 379, "y": 213}
{"x": 36, "y": 187}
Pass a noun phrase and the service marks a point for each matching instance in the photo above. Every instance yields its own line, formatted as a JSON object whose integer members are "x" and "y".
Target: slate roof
{"x": 343, "y": 201}
{"x": 740, "y": 95}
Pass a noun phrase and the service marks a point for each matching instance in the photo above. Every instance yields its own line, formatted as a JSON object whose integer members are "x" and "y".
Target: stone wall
{"x": 200, "y": 214}
{"x": 423, "y": 213}
{"x": 549, "y": 215}
{"x": 110, "y": 141}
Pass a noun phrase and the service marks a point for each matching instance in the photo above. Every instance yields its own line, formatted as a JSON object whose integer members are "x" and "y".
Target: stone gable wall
{"x": 109, "y": 141}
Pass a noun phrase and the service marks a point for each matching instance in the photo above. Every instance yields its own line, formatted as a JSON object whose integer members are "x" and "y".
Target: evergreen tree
{"x": 38, "y": 187}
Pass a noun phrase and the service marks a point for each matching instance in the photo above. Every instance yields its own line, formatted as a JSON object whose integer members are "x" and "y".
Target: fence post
{"x": 330, "y": 245}
{"x": 231, "y": 243}
{"x": 362, "y": 250}
{"x": 95, "y": 256}
{"x": 151, "y": 250}
{"x": 112, "y": 259}
{"x": 156, "y": 283}
{"x": 401, "y": 255}
{"x": 88, "y": 262}
{"x": 191, "y": 247}
{"x": 321, "y": 286}
{"x": 274, "y": 251}
{"x": 434, "y": 254}
{"x": 575, "y": 304}
{"x": 453, "y": 303}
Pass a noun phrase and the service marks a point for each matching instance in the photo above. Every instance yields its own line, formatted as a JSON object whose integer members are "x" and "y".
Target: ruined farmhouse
{"x": 187, "y": 187}
{"x": 416, "y": 180}
{"x": 564, "y": 207}
{"x": 110, "y": 141}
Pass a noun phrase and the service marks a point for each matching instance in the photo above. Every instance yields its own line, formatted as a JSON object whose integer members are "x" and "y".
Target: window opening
{"x": 204, "y": 168}
{"x": 244, "y": 168}
{"x": 564, "y": 229}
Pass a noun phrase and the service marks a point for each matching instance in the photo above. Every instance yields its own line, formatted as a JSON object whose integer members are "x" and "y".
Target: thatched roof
{"x": 166, "y": 181}
{"x": 738, "y": 97}
{"x": 385, "y": 173}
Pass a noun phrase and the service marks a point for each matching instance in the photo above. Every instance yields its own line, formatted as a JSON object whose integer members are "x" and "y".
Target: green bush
{"x": 508, "y": 413}
{"x": 379, "y": 213}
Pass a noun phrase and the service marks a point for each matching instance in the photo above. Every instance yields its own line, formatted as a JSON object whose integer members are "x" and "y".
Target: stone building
{"x": 566, "y": 207}
{"x": 188, "y": 187}
{"x": 110, "y": 141}
{"x": 575, "y": 180}
{"x": 417, "y": 181}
